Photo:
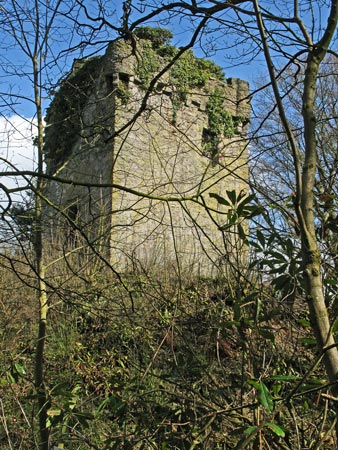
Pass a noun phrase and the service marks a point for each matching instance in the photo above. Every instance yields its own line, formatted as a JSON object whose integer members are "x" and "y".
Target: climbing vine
{"x": 187, "y": 73}
{"x": 191, "y": 72}
{"x": 148, "y": 64}
{"x": 220, "y": 122}
{"x": 64, "y": 113}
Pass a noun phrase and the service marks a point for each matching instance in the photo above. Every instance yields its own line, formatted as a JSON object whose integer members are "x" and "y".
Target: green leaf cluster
{"x": 241, "y": 208}
{"x": 148, "y": 65}
{"x": 281, "y": 257}
{"x": 187, "y": 73}
{"x": 157, "y": 36}
{"x": 220, "y": 122}
{"x": 190, "y": 72}
{"x": 17, "y": 371}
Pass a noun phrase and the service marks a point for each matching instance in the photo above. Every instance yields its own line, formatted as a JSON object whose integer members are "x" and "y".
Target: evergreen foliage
{"x": 157, "y": 36}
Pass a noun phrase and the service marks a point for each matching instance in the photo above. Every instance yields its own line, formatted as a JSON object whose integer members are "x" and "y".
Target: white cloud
{"x": 16, "y": 141}
{"x": 16, "y": 152}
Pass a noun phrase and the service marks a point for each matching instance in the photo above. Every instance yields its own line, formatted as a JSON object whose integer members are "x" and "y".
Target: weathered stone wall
{"x": 158, "y": 222}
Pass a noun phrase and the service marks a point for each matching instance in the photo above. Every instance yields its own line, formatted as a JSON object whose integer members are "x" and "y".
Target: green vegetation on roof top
{"x": 158, "y": 36}
{"x": 188, "y": 72}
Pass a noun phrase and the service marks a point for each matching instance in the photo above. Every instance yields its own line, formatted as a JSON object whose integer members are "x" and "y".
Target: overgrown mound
{"x": 156, "y": 364}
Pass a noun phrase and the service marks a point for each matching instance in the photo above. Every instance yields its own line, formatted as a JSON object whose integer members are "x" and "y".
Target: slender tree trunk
{"x": 39, "y": 364}
{"x": 310, "y": 250}
{"x": 304, "y": 198}
{"x": 311, "y": 256}
{"x": 42, "y": 398}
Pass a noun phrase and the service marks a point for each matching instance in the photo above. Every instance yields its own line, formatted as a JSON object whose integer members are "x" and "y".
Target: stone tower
{"x": 141, "y": 156}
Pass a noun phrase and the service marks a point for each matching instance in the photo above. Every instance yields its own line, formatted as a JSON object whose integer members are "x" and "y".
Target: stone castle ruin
{"x": 141, "y": 157}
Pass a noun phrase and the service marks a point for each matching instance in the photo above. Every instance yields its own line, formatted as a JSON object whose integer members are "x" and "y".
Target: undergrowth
{"x": 168, "y": 365}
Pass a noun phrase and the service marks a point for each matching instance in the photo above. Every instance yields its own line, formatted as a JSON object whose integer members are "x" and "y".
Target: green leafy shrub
{"x": 157, "y": 36}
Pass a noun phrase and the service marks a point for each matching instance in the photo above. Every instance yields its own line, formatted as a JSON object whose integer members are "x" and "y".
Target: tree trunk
{"x": 42, "y": 398}
{"x": 311, "y": 257}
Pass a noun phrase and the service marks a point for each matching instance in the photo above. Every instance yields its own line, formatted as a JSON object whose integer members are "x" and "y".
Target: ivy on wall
{"x": 220, "y": 120}
{"x": 187, "y": 73}
{"x": 220, "y": 123}
{"x": 148, "y": 65}
{"x": 64, "y": 113}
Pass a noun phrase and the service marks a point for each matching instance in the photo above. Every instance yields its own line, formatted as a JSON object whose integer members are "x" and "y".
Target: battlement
{"x": 122, "y": 62}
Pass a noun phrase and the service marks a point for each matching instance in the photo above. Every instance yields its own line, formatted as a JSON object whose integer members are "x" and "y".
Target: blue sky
{"x": 229, "y": 49}
{"x": 220, "y": 42}
{"x": 15, "y": 66}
